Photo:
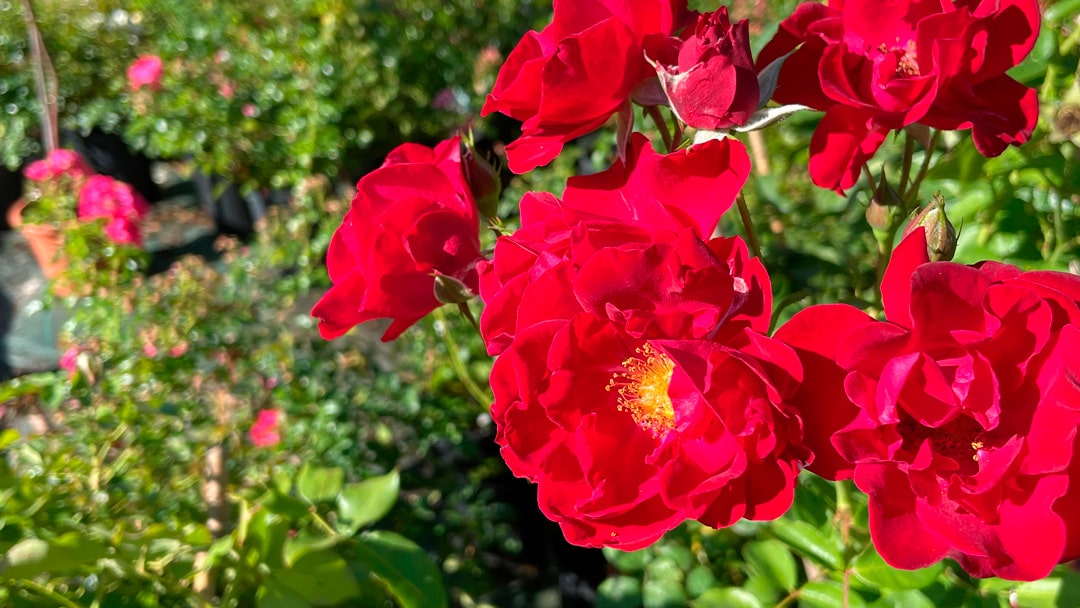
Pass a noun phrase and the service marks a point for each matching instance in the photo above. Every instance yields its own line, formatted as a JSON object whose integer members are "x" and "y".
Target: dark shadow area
{"x": 202, "y": 246}
{"x": 7, "y": 312}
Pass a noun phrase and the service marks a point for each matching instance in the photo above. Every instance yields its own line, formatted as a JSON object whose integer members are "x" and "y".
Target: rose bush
{"x": 957, "y": 416}
{"x": 635, "y": 385}
{"x": 874, "y": 67}
{"x": 708, "y": 74}
{"x": 411, "y": 219}
{"x": 569, "y": 78}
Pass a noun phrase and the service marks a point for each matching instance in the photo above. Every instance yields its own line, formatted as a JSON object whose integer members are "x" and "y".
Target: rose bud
{"x": 884, "y": 205}
{"x": 482, "y": 179}
{"x": 709, "y": 76}
{"x": 940, "y": 234}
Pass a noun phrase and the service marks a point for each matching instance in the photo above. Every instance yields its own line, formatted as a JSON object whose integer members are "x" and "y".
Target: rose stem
{"x": 661, "y": 125}
{"x": 905, "y": 168}
{"x": 479, "y": 396}
{"x": 744, "y": 213}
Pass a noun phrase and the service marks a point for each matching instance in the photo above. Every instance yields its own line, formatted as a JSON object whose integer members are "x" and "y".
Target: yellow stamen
{"x": 643, "y": 389}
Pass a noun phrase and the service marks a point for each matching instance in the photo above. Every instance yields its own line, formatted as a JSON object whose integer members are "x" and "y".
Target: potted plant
{"x": 69, "y": 211}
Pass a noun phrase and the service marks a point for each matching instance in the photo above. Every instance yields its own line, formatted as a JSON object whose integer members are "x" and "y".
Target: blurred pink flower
{"x": 249, "y": 110}
{"x": 145, "y": 71}
{"x": 148, "y": 349}
{"x": 105, "y": 197}
{"x": 226, "y": 90}
{"x": 60, "y": 161}
{"x": 264, "y": 433}
{"x": 68, "y": 359}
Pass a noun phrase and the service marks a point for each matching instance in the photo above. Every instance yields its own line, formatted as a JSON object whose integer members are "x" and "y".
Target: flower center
{"x": 907, "y": 63}
{"x": 643, "y": 389}
{"x": 959, "y": 440}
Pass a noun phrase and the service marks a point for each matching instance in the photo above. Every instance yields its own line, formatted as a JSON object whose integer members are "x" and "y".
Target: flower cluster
{"x": 66, "y": 188}
{"x": 957, "y": 415}
{"x": 117, "y": 203}
{"x": 874, "y": 67}
{"x": 635, "y": 380}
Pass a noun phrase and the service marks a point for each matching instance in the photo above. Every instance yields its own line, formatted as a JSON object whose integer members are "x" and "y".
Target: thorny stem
{"x": 843, "y": 518}
{"x": 661, "y": 125}
{"x": 905, "y": 166}
{"x": 478, "y": 395}
{"x": 924, "y": 167}
{"x": 42, "y": 590}
{"x": 751, "y": 236}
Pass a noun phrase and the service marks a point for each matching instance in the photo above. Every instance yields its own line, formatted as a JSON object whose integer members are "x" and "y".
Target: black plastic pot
{"x": 233, "y": 213}
{"x": 108, "y": 154}
{"x": 11, "y": 185}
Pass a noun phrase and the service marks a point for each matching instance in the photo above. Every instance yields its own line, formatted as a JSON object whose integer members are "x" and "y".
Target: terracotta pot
{"x": 46, "y": 241}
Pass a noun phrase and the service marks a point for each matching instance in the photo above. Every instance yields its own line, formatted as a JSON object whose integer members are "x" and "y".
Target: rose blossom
{"x": 266, "y": 430}
{"x": 709, "y": 74}
{"x": 59, "y": 162}
{"x": 145, "y": 71}
{"x": 958, "y": 416}
{"x": 569, "y": 78}
{"x": 873, "y": 67}
{"x": 104, "y": 197}
{"x": 634, "y": 385}
{"x": 411, "y": 219}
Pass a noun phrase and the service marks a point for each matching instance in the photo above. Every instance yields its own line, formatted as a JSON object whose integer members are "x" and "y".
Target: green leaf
{"x": 68, "y": 552}
{"x": 321, "y": 578}
{"x": 301, "y": 545}
{"x": 699, "y": 580}
{"x": 317, "y": 484}
{"x": 1053, "y": 592}
{"x": 364, "y": 503}
{"x": 619, "y": 592}
{"x": 25, "y": 559}
{"x": 871, "y": 569}
{"x": 663, "y": 593}
{"x": 828, "y": 594}
{"x": 912, "y": 598}
{"x": 773, "y": 560}
{"x": 810, "y": 542}
{"x": 730, "y": 597}
{"x": 402, "y": 568}
{"x": 628, "y": 561}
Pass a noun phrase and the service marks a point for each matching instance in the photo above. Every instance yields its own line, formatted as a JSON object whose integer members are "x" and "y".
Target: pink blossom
{"x": 145, "y": 71}
{"x": 249, "y": 110}
{"x": 226, "y": 90}
{"x": 60, "y": 161}
{"x": 68, "y": 359}
{"x": 264, "y": 433}
{"x": 149, "y": 349}
{"x": 104, "y": 197}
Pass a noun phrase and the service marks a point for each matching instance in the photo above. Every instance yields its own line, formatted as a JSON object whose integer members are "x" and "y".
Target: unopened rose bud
{"x": 940, "y": 234}
{"x": 483, "y": 181}
{"x": 885, "y": 205}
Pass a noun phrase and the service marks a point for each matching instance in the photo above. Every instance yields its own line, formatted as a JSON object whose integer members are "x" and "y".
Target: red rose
{"x": 411, "y": 219}
{"x": 650, "y": 197}
{"x": 709, "y": 75}
{"x": 874, "y": 67}
{"x": 568, "y": 79}
{"x": 958, "y": 416}
{"x": 634, "y": 385}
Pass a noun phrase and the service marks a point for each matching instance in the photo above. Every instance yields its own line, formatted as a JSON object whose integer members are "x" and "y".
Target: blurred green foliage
{"x": 264, "y": 93}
